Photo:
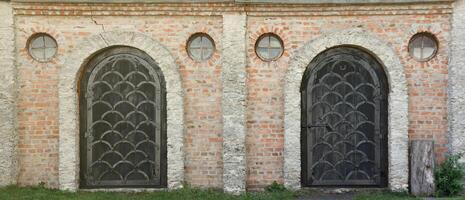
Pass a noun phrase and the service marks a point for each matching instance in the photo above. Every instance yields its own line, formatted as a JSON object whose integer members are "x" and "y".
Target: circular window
{"x": 423, "y": 46}
{"x": 200, "y": 47}
{"x": 42, "y": 47}
{"x": 269, "y": 47}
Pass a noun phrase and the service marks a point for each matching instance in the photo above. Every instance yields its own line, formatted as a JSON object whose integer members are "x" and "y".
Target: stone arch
{"x": 68, "y": 103}
{"x": 398, "y": 103}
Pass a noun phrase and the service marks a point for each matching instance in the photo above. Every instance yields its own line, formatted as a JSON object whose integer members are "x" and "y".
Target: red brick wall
{"x": 37, "y": 107}
{"x": 427, "y": 81}
{"x": 38, "y": 96}
{"x": 172, "y": 26}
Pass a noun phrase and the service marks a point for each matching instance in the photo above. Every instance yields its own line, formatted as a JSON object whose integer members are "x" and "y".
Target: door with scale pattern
{"x": 344, "y": 120}
{"x": 122, "y": 121}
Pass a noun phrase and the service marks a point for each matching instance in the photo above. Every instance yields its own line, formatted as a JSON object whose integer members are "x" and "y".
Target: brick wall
{"x": 172, "y": 25}
{"x": 427, "y": 82}
{"x": 38, "y": 97}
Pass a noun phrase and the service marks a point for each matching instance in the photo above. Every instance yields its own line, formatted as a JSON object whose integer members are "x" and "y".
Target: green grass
{"x": 40, "y": 193}
{"x": 395, "y": 196}
{"x": 385, "y": 196}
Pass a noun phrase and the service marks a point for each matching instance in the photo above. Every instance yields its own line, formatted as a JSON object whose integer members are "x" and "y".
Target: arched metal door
{"x": 344, "y": 120}
{"x": 122, "y": 121}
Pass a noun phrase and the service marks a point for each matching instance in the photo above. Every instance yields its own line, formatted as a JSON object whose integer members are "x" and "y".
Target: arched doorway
{"x": 122, "y": 121}
{"x": 344, "y": 120}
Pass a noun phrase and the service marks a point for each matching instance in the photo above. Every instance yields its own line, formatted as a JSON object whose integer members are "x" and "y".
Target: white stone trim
{"x": 8, "y": 79}
{"x": 234, "y": 102}
{"x": 456, "y": 89}
{"x": 398, "y": 103}
{"x": 68, "y": 103}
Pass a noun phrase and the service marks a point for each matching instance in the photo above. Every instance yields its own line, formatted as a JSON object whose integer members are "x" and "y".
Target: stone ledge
{"x": 240, "y": 1}
{"x": 340, "y": 1}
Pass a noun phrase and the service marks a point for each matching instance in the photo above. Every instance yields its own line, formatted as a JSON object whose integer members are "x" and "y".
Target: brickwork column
{"x": 8, "y": 138}
{"x": 234, "y": 102}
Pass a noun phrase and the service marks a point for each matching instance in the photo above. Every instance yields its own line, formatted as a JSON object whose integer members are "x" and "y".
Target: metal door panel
{"x": 344, "y": 120}
{"x": 122, "y": 105}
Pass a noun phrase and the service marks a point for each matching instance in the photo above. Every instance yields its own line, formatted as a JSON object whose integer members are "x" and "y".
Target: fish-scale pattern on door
{"x": 343, "y": 112}
{"x": 123, "y": 105}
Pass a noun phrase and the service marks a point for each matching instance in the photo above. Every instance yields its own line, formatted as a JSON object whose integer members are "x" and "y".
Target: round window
{"x": 200, "y": 47}
{"x": 42, "y": 47}
{"x": 423, "y": 46}
{"x": 269, "y": 47}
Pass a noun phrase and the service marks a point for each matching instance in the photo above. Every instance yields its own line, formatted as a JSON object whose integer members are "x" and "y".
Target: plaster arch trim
{"x": 69, "y": 107}
{"x": 397, "y": 111}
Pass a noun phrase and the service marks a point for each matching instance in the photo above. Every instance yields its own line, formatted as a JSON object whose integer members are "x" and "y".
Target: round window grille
{"x": 269, "y": 47}
{"x": 200, "y": 47}
{"x": 423, "y": 46}
{"x": 42, "y": 47}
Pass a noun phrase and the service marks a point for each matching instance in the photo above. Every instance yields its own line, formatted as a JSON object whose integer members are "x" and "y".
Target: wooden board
{"x": 422, "y": 168}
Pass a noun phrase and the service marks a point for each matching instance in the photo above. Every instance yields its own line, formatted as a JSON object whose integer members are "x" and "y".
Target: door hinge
{"x": 319, "y": 126}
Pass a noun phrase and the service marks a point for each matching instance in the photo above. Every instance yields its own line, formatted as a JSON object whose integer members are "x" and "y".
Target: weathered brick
{"x": 172, "y": 25}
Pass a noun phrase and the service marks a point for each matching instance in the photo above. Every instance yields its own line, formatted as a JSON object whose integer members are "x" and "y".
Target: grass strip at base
{"x": 41, "y": 193}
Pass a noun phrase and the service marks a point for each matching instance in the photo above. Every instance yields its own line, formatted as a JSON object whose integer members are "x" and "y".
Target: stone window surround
{"x": 398, "y": 104}
{"x": 68, "y": 106}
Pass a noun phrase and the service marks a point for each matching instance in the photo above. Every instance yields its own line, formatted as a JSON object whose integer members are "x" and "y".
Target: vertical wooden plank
{"x": 422, "y": 168}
